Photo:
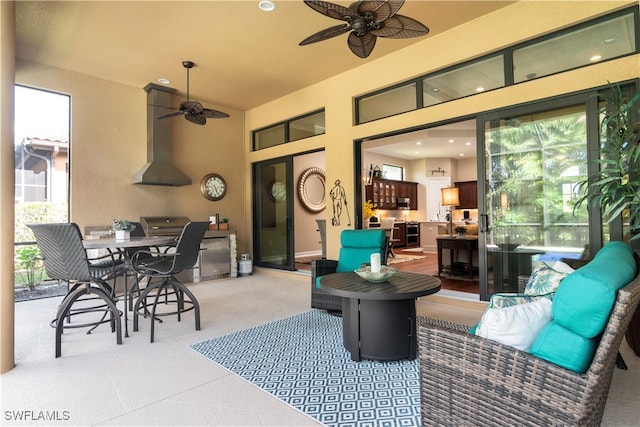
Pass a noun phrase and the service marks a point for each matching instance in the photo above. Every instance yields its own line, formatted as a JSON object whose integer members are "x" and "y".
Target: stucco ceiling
{"x": 244, "y": 57}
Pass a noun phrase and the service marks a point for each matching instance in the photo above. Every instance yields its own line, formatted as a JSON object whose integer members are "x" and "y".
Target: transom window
{"x": 300, "y": 127}
{"x": 602, "y": 39}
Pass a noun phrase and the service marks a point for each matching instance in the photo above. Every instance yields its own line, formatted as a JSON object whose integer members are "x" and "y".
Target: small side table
{"x": 453, "y": 243}
{"x": 379, "y": 319}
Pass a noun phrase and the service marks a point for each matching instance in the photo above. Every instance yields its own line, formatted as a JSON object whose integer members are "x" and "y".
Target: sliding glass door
{"x": 532, "y": 163}
{"x": 273, "y": 244}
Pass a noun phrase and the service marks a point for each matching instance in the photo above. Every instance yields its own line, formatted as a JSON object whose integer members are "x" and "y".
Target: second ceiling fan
{"x": 367, "y": 20}
{"x": 193, "y": 110}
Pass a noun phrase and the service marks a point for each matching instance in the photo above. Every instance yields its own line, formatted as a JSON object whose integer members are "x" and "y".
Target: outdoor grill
{"x": 216, "y": 259}
{"x": 163, "y": 225}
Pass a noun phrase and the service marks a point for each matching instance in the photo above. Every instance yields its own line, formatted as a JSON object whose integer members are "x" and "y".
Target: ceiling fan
{"x": 193, "y": 110}
{"x": 367, "y": 20}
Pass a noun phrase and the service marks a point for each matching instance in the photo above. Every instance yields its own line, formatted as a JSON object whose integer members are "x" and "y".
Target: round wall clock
{"x": 213, "y": 187}
{"x": 278, "y": 191}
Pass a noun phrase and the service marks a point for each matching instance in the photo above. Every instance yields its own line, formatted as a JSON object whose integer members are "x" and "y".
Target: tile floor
{"x": 97, "y": 382}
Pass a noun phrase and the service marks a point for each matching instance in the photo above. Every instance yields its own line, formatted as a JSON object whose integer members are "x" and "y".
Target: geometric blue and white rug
{"x": 301, "y": 361}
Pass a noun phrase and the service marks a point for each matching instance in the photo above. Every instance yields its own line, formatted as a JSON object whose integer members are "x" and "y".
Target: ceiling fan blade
{"x": 361, "y": 46}
{"x": 325, "y": 34}
{"x": 175, "y": 113}
{"x": 329, "y": 9}
{"x": 197, "y": 119}
{"x": 213, "y": 114}
{"x": 400, "y": 27}
{"x": 381, "y": 9}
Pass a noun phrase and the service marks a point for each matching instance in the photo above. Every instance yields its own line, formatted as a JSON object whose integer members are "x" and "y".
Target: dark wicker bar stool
{"x": 89, "y": 293}
{"x": 160, "y": 269}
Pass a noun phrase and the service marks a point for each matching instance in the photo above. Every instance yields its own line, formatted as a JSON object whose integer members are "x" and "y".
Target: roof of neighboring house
{"x": 31, "y": 151}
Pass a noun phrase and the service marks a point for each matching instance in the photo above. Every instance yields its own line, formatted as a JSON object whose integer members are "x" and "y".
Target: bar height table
{"x": 119, "y": 245}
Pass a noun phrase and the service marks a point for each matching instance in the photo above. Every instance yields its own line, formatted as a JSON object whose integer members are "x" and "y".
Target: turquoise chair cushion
{"x": 585, "y": 298}
{"x": 563, "y": 347}
{"x": 581, "y": 308}
{"x": 357, "y": 247}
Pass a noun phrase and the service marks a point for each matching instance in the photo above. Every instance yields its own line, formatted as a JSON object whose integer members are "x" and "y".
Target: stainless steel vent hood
{"x": 159, "y": 170}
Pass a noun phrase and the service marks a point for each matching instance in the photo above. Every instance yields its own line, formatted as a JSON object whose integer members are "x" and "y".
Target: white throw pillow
{"x": 562, "y": 267}
{"x": 518, "y": 325}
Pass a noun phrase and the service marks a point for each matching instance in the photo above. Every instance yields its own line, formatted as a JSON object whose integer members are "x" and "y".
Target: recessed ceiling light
{"x": 609, "y": 40}
{"x": 479, "y": 89}
{"x": 467, "y": 143}
{"x": 595, "y": 58}
{"x": 419, "y": 143}
{"x": 461, "y": 154}
{"x": 266, "y": 5}
{"x": 451, "y": 141}
{"x": 164, "y": 81}
{"x": 435, "y": 89}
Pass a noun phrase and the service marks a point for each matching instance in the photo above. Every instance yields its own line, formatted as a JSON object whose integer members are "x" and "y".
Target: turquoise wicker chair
{"x": 467, "y": 380}
{"x": 356, "y": 249}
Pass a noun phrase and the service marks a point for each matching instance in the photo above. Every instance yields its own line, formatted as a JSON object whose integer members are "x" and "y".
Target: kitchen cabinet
{"x": 400, "y": 235}
{"x": 384, "y": 192}
{"x": 467, "y": 194}
{"x": 409, "y": 190}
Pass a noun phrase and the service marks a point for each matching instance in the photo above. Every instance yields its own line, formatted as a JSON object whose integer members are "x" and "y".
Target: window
{"x": 42, "y": 159}
{"x": 290, "y": 130}
{"x": 610, "y": 39}
{"x": 599, "y": 40}
{"x": 476, "y": 77}
{"x": 391, "y": 101}
{"x": 393, "y": 172}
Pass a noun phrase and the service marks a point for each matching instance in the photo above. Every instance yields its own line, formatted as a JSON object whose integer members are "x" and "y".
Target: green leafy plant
{"x": 224, "y": 220}
{"x": 29, "y": 262}
{"x": 615, "y": 186}
{"x": 123, "y": 225}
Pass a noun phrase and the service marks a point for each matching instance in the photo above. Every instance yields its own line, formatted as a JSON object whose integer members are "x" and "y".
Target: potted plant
{"x": 461, "y": 231}
{"x": 224, "y": 224}
{"x": 122, "y": 228}
{"x": 615, "y": 187}
{"x": 369, "y": 212}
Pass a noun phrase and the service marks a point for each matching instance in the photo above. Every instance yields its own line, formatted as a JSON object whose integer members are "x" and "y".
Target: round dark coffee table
{"x": 379, "y": 319}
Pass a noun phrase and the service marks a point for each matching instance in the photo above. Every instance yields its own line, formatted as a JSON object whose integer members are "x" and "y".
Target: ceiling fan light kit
{"x": 367, "y": 20}
{"x": 193, "y": 111}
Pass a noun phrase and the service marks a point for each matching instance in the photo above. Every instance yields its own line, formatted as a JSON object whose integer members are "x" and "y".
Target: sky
{"x": 40, "y": 114}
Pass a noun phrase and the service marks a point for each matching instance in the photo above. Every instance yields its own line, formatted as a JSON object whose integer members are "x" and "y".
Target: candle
{"x": 375, "y": 263}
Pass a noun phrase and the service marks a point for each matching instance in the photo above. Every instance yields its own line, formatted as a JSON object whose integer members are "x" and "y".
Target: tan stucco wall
{"x": 507, "y": 26}
{"x": 108, "y": 146}
{"x": 307, "y": 238}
